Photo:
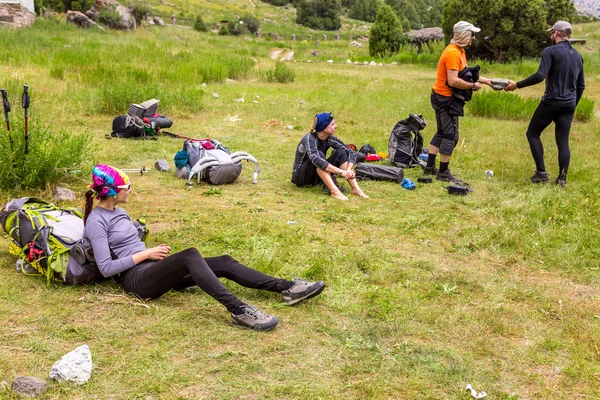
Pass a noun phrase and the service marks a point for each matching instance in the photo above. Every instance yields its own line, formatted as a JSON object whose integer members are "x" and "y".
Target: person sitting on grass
{"x": 311, "y": 165}
{"x": 151, "y": 272}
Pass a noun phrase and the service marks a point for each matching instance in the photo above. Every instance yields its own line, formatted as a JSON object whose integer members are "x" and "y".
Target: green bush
{"x": 223, "y": 31}
{"x": 385, "y": 37}
{"x": 139, "y": 10}
{"x": 50, "y": 155}
{"x": 199, "y": 25}
{"x": 281, "y": 73}
{"x": 110, "y": 17}
{"x": 235, "y": 28}
{"x": 252, "y": 23}
{"x": 504, "y": 105}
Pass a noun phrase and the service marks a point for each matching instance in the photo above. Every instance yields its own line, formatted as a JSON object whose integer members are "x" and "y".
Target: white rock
{"x": 216, "y": 95}
{"x": 373, "y": 63}
{"x": 356, "y": 63}
{"x": 348, "y": 62}
{"x": 395, "y": 63}
{"x": 290, "y": 128}
{"x": 366, "y": 63}
{"x": 240, "y": 100}
{"x": 380, "y": 64}
{"x": 75, "y": 366}
{"x": 330, "y": 61}
{"x": 308, "y": 61}
{"x": 255, "y": 102}
{"x": 204, "y": 85}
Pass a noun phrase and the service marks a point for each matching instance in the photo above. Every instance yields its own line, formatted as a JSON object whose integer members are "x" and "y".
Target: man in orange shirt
{"x": 452, "y": 61}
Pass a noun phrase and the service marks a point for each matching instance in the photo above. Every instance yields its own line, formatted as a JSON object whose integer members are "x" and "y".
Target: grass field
{"x": 426, "y": 292}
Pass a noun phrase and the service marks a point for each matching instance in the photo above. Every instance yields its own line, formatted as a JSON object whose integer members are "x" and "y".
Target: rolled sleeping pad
{"x": 161, "y": 122}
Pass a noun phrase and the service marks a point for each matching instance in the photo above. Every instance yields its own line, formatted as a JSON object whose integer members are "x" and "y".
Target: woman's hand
{"x": 158, "y": 253}
{"x": 348, "y": 174}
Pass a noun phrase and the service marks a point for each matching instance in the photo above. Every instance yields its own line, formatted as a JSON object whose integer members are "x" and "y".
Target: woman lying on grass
{"x": 150, "y": 273}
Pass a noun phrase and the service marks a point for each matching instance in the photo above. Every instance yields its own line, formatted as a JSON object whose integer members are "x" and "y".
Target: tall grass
{"x": 503, "y": 105}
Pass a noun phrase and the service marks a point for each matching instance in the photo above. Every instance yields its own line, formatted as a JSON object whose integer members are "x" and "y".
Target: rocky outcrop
{"x": 81, "y": 20}
{"x": 127, "y": 21}
{"x": 15, "y": 15}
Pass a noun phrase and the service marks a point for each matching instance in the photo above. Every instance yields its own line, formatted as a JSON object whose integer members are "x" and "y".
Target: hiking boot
{"x": 302, "y": 290}
{"x": 253, "y": 319}
{"x": 539, "y": 177}
{"x": 430, "y": 170}
{"x": 446, "y": 176}
{"x": 561, "y": 180}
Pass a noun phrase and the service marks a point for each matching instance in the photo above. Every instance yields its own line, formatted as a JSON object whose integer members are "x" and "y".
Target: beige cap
{"x": 560, "y": 26}
{"x": 463, "y": 26}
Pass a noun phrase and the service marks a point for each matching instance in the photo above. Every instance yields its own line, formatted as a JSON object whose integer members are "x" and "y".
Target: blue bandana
{"x": 322, "y": 121}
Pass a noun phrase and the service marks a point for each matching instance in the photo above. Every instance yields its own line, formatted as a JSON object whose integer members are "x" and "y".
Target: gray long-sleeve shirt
{"x": 562, "y": 67}
{"x": 310, "y": 146}
{"x": 112, "y": 230}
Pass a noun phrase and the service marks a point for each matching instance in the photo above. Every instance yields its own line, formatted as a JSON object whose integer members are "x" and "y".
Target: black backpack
{"x": 127, "y": 126}
{"x": 406, "y": 142}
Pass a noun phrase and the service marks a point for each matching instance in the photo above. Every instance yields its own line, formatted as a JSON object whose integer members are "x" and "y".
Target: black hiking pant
{"x": 542, "y": 117}
{"x": 307, "y": 175}
{"x": 446, "y": 136}
{"x": 150, "y": 280}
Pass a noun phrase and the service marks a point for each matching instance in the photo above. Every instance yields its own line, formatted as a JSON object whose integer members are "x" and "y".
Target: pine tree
{"x": 386, "y": 35}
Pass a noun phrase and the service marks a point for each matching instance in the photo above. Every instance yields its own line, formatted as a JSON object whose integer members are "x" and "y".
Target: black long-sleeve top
{"x": 562, "y": 67}
{"x": 310, "y": 145}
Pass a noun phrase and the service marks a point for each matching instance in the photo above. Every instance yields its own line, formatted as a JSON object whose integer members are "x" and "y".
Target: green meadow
{"x": 426, "y": 292}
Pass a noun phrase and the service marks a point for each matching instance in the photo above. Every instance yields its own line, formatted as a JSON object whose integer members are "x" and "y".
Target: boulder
{"x": 162, "y": 165}
{"x": 75, "y": 366}
{"x": 61, "y": 193}
{"x": 81, "y": 20}
{"x": 356, "y": 44}
{"x": 315, "y": 53}
{"x": 29, "y": 386}
{"x": 127, "y": 21}
{"x": 158, "y": 21}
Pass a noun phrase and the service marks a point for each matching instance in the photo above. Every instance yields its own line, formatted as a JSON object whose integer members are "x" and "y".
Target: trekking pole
{"x": 25, "y": 100}
{"x": 6, "y": 106}
{"x": 140, "y": 170}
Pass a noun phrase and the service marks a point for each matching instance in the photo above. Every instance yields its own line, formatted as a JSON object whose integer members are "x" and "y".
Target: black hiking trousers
{"x": 542, "y": 117}
{"x": 187, "y": 268}
{"x": 307, "y": 175}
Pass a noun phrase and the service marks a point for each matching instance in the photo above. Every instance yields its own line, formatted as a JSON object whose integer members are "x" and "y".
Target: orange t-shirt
{"x": 453, "y": 58}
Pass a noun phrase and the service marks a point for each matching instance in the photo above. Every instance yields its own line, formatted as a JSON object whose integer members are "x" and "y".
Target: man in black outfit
{"x": 562, "y": 67}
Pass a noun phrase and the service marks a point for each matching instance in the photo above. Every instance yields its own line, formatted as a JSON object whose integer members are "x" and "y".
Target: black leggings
{"x": 150, "y": 280}
{"x": 307, "y": 174}
{"x": 542, "y": 117}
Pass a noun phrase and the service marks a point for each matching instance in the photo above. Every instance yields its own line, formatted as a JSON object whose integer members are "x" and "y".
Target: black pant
{"x": 307, "y": 174}
{"x": 187, "y": 268}
{"x": 542, "y": 117}
{"x": 446, "y": 136}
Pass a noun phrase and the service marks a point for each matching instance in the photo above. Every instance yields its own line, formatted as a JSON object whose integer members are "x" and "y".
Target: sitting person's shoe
{"x": 302, "y": 290}
{"x": 430, "y": 170}
{"x": 561, "y": 180}
{"x": 446, "y": 176}
{"x": 539, "y": 177}
{"x": 252, "y": 318}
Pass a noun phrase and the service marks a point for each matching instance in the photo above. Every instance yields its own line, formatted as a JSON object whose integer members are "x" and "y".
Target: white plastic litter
{"x": 232, "y": 118}
{"x": 75, "y": 366}
{"x": 474, "y": 393}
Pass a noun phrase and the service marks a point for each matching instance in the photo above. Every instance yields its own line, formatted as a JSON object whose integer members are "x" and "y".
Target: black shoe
{"x": 540, "y": 177}
{"x": 561, "y": 180}
{"x": 430, "y": 170}
{"x": 446, "y": 176}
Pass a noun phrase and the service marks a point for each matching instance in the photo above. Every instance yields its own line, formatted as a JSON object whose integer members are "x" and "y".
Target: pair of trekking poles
{"x": 25, "y": 101}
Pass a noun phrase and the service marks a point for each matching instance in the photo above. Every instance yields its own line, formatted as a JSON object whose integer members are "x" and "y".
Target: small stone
{"x": 61, "y": 193}
{"x": 395, "y": 63}
{"x": 240, "y": 100}
{"x": 289, "y": 128}
{"x": 315, "y": 53}
{"x": 302, "y": 102}
{"x": 255, "y": 102}
{"x": 273, "y": 103}
{"x": 373, "y": 63}
{"x": 158, "y": 21}
{"x": 380, "y": 64}
{"x": 366, "y": 63}
{"x": 309, "y": 61}
{"x": 355, "y": 63}
{"x": 75, "y": 366}
{"x": 162, "y": 165}
{"x": 216, "y": 95}
{"x": 29, "y": 386}
{"x": 330, "y": 61}
{"x": 204, "y": 85}
{"x": 348, "y": 62}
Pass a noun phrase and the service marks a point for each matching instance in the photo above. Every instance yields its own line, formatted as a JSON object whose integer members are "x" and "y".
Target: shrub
{"x": 281, "y": 73}
{"x": 139, "y": 10}
{"x": 252, "y": 23}
{"x": 110, "y": 17}
{"x": 199, "y": 25}
{"x": 235, "y": 28}
{"x": 223, "y": 31}
{"x": 50, "y": 155}
{"x": 386, "y": 35}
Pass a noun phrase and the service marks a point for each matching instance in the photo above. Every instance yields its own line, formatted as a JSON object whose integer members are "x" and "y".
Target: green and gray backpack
{"x": 42, "y": 234}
